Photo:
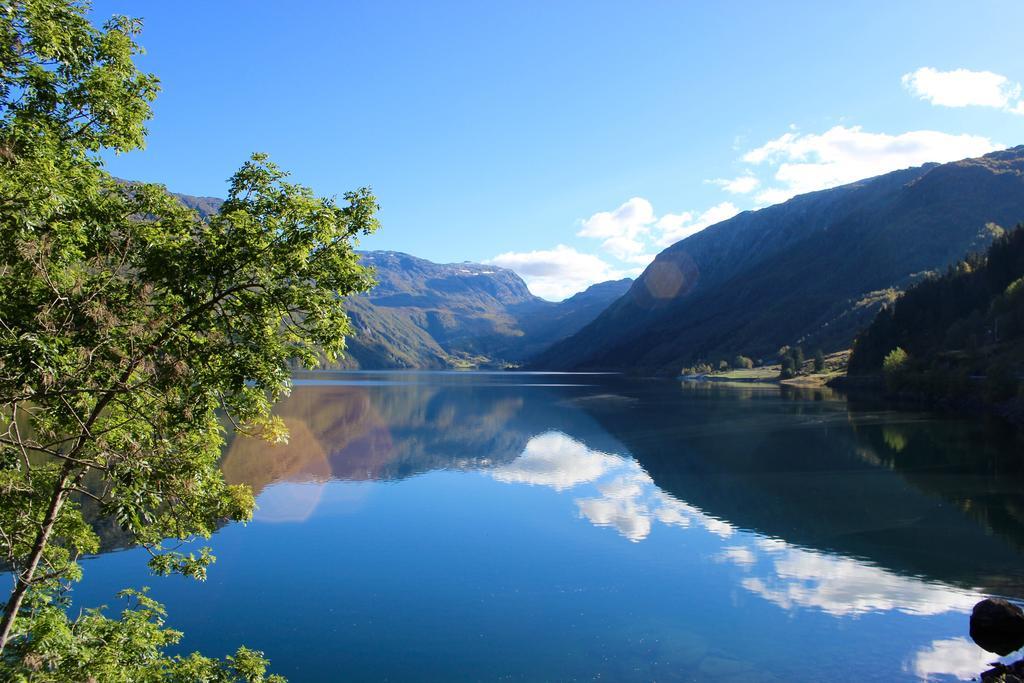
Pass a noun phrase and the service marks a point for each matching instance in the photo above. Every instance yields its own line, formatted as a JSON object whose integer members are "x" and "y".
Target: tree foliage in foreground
{"x": 128, "y": 326}
{"x": 128, "y": 649}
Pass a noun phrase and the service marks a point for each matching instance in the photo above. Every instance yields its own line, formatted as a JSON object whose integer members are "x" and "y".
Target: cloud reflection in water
{"x": 556, "y": 460}
{"x": 954, "y": 657}
{"x": 841, "y": 586}
{"x": 785, "y": 575}
{"x": 788, "y": 576}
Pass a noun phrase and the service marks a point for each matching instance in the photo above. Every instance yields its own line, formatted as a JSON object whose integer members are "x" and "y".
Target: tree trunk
{"x": 25, "y": 576}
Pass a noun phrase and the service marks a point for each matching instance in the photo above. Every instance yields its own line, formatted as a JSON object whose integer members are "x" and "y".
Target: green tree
{"x": 124, "y": 650}
{"x": 819, "y": 361}
{"x": 894, "y": 367}
{"x": 742, "y": 362}
{"x": 788, "y": 370}
{"x": 1001, "y": 381}
{"x": 895, "y": 361}
{"x": 128, "y": 325}
{"x": 797, "y": 354}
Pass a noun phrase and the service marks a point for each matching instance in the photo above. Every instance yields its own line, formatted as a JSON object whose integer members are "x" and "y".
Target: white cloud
{"x": 625, "y": 486}
{"x": 626, "y": 504}
{"x": 956, "y": 657}
{"x": 626, "y": 516}
{"x": 744, "y": 184}
{"x": 964, "y": 88}
{"x": 670, "y": 515}
{"x": 556, "y": 460}
{"x": 674, "y": 227}
{"x": 739, "y": 555}
{"x": 629, "y": 501}
{"x": 793, "y": 163}
{"x": 622, "y": 231}
{"x": 633, "y": 230}
{"x": 845, "y": 586}
{"x": 630, "y": 235}
{"x": 718, "y": 527}
{"x": 560, "y": 272}
{"x": 805, "y": 162}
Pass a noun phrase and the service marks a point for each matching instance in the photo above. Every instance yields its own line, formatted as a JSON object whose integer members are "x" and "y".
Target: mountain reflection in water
{"x": 811, "y": 505}
{"x": 805, "y": 469}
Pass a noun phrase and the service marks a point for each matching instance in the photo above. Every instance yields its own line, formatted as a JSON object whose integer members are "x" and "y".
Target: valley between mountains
{"x": 812, "y": 271}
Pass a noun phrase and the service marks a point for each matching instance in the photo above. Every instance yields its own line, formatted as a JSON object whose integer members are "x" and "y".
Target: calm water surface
{"x": 452, "y": 526}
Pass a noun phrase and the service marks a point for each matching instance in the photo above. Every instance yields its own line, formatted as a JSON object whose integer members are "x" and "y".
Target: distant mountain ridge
{"x": 205, "y": 206}
{"x": 430, "y": 315}
{"x": 813, "y": 270}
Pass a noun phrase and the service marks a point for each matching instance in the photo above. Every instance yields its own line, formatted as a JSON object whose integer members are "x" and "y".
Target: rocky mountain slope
{"x": 813, "y": 270}
{"x": 429, "y": 315}
{"x": 434, "y": 316}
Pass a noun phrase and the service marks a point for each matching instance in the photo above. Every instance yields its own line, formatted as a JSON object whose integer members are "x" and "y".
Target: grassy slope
{"x": 835, "y": 366}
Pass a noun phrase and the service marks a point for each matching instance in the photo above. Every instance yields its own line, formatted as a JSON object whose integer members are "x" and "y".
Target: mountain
{"x": 434, "y": 316}
{"x": 430, "y": 315}
{"x": 813, "y": 270}
{"x": 204, "y": 206}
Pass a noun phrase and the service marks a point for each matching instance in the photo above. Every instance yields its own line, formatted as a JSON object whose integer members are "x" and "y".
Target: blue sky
{"x": 570, "y": 141}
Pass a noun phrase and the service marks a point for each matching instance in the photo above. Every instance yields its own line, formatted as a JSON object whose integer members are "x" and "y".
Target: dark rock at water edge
{"x": 998, "y": 626}
{"x": 1005, "y": 673}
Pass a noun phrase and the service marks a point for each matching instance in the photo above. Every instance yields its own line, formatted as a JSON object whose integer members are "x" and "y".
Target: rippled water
{"x": 456, "y": 526}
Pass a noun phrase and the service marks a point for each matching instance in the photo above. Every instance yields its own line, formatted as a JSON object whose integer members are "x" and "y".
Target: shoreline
{"x": 871, "y": 388}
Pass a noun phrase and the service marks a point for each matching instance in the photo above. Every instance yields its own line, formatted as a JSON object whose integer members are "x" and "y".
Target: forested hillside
{"x": 958, "y": 334}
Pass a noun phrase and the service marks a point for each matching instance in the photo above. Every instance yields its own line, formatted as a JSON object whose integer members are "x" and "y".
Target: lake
{"x": 543, "y": 527}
